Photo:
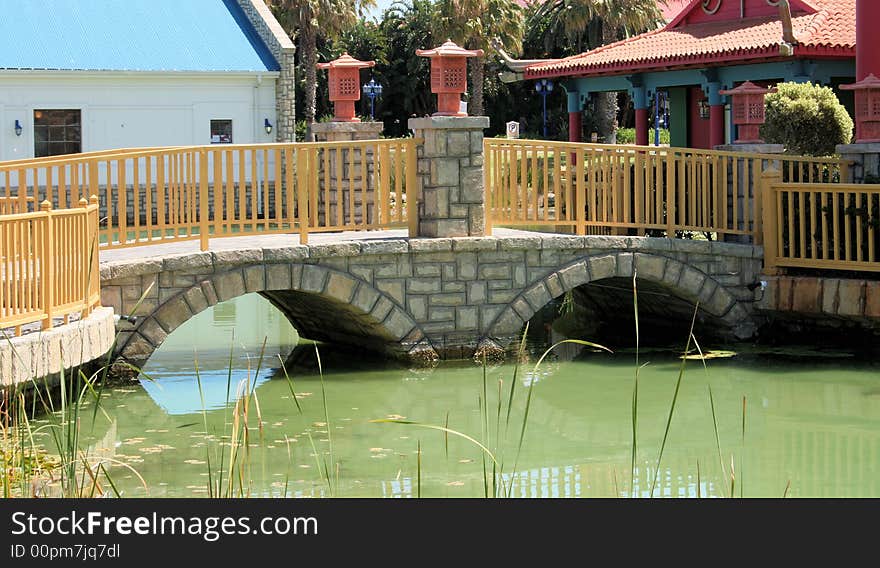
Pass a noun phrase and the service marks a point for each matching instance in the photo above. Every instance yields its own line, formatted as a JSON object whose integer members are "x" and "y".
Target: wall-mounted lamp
{"x": 267, "y": 125}
{"x": 704, "y": 108}
{"x": 17, "y": 128}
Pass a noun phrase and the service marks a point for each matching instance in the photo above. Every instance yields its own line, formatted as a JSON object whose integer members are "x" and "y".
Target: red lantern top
{"x": 748, "y": 110}
{"x": 867, "y": 93}
{"x": 449, "y": 75}
{"x": 344, "y": 85}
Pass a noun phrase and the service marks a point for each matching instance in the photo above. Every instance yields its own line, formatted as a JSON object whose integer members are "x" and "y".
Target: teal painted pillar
{"x": 639, "y": 97}
{"x": 716, "y": 114}
{"x": 678, "y": 117}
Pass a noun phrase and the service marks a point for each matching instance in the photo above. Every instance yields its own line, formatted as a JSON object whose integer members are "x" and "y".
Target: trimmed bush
{"x": 807, "y": 119}
{"x": 628, "y": 136}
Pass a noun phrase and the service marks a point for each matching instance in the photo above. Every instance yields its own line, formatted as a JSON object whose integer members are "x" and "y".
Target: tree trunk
{"x": 606, "y": 103}
{"x": 475, "y": 105}
{"x": 308, "y": 44}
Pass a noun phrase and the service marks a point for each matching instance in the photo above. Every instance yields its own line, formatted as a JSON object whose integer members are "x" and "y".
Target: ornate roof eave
{"x": 780, "y": 52}
{"x": 516, "y": 66}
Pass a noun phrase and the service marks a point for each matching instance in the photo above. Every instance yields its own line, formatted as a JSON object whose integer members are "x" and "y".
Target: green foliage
{"x": 628, "y": 136}
{"x": 808, "y": 119}
{"x": 405, "y": 26}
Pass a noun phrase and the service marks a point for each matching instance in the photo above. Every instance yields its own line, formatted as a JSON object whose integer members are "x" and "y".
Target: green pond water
{"x": 812, "y": 422}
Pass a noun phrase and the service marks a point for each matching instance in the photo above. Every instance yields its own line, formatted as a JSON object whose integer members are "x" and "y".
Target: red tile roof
{"x": 829, "y": 32}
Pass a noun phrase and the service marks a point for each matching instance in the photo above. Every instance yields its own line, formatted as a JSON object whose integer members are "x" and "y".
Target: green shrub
{"x": 807, "y": 119}
{"x": 628, "y": 136}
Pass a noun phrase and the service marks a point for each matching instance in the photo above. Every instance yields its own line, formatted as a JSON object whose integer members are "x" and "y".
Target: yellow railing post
{"x": 87, "y": 283}
{"x": 47, "y": 267}
{"x": 771, "y": 222}
{"x": 671, "y": 190}
{"x": 204, "y": 209}
{"x": 95, "y": 288}
{"x": 844, "y": 172}
{"x": 488, "y": 189}
{"x": 302, "y": 194}
{"x": 580, "y": 209}
{"x": 93, "y": 179}
{"x": 412, "y": 188}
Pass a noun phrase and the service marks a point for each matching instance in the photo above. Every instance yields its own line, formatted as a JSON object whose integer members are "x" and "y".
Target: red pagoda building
{"x": 717, "y": 45}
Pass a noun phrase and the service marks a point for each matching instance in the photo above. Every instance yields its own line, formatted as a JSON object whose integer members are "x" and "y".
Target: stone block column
{"x": 865, "y": 158}
{"x": 749, "y": 186}
{"x": 450, "y": 166}
{"x": 351, "y": 179}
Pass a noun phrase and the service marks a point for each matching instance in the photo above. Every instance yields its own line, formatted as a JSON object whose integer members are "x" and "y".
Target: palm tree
{"x": 309, "y": 19}
{"x": 586, "y": 24}
{"x": 473, "y": 24}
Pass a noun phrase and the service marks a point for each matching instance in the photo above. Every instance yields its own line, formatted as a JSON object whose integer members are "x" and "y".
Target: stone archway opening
{"x": 601, "y": 287}
{"x": 322, "y": 304}
{"x": 605, "y": 311}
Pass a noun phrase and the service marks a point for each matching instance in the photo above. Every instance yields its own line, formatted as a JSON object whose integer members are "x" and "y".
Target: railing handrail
{"x": 675, "y": 149}
{"x": 812, "y": 225}
{"x": 40, "y": 292}
{"x": 826, "y": 187}
{"x": 131, "y": 153}
{"x": 149, "y": 195}
{"x": 66, "y": 158}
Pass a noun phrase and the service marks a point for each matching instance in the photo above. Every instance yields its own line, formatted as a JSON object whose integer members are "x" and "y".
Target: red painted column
{"x": 867, "y": 38}
{"x": 642, "y": 126}
{"x": 716, "y": 125}
{"x": 575, "y": 125}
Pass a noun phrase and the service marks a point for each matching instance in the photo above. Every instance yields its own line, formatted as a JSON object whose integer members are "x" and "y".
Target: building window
{"x": 221, "y": 132}
{"x": 57, "y": 131}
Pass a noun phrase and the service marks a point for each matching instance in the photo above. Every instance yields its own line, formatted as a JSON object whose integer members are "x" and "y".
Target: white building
{"x": 87, "y": 75}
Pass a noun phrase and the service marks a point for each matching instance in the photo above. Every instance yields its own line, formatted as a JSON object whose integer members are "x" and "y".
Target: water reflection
{"x": 223, "y": 350}
{"x": 813, "y": 422}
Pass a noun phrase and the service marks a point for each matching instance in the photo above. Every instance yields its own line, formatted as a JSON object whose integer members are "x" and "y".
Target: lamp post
{"x": 372, "y": 90}
{"x": 660, "y": 115}
{"x": 544, "y": 88}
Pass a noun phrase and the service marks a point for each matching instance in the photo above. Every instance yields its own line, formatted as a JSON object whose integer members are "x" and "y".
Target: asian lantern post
{"x": 452, "y": 199}
{"x": 345, "y": 90}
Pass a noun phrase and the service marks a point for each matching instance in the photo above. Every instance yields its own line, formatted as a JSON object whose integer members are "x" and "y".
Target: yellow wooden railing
{"x": 532, "y": 182}
{"x": 48, "y": 265}
{"x": 812, "y": 225}
{"x": 201, "y": 192}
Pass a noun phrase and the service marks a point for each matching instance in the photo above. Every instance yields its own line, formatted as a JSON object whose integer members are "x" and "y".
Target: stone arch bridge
{"x": 419, "y": 297}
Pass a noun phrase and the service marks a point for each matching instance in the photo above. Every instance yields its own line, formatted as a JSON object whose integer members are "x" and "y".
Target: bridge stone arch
{"x": 679, "y": 278}
{"x": 322, "y": 303}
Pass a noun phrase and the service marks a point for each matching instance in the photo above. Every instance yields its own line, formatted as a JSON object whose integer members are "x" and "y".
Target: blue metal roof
{"x": 130, "y": 35}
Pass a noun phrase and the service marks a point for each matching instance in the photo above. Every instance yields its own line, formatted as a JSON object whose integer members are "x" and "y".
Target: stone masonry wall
{"x": 438, "y": 295}
{"x": 345, "y": 173}
{"x": 865, "y": 158}
{"x": 833, "y": 300}
{"x": 450, "y": 167}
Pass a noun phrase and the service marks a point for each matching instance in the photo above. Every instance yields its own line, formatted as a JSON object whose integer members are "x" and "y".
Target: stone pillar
{"x": 865, "y": 158}
{"x": 340, "y": 187}
{"x": 749, "y": 183}
{"x": 452, "y": 195}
